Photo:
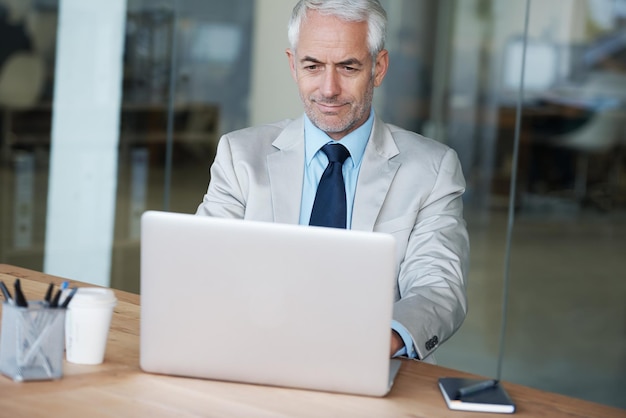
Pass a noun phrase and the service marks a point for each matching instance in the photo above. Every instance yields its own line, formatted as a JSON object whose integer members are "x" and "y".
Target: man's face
{"x": 333, "y": 68}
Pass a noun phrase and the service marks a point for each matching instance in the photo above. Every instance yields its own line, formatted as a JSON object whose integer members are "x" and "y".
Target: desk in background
{"x": 119, "y": 388}
{"x": 25, "y": 146}
{"x": 563, "y": 149}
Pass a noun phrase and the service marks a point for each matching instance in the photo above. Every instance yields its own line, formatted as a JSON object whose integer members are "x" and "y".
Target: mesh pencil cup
{"x": 32, "y": 342}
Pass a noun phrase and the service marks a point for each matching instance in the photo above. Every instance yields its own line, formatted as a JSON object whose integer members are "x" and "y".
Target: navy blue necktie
{"x": 329, "y": 207}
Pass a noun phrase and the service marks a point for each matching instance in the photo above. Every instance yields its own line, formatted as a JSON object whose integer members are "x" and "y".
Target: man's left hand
{"x": 396, "y": 343}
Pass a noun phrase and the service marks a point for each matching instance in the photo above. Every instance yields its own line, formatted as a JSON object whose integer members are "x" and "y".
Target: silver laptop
{"x": 265, "y": 303}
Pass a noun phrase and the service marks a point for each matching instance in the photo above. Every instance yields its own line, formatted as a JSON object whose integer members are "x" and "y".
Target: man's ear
{"x": 381, "y": 66}
{"x": 292, "y": 64}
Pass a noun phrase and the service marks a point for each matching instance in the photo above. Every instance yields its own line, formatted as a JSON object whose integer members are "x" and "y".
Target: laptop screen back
{"x": 266, "y": 303}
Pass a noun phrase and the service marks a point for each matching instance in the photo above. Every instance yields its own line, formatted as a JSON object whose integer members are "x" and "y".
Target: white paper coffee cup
{"x": 87, "y": 324}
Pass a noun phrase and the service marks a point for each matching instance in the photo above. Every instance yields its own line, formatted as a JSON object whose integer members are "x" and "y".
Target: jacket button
{"x": 430, "y": 344}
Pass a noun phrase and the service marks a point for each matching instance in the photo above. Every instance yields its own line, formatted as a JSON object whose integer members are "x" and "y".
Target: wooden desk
{"x": 118, "y": 388}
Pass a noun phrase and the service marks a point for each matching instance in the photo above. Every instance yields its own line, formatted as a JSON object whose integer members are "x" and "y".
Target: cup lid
{"x": 93, "y": 296}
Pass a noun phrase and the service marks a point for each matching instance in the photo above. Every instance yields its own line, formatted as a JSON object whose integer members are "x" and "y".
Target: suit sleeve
{"x": 224, "y": 197}
{"x": 432, "y": 277}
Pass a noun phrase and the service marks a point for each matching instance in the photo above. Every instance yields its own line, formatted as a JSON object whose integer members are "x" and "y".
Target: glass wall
{"x": 541, "y": 144}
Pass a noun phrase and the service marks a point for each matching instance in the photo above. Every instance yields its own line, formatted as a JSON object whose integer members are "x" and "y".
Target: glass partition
{"x": 187, "y": 70}
{"x": 548, "y": 140}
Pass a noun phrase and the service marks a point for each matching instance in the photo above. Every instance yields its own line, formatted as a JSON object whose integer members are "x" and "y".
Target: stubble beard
{"x": 358, "y": 114}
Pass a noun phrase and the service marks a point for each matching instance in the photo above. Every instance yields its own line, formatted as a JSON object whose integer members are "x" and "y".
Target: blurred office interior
{"x": 110, "y": 108}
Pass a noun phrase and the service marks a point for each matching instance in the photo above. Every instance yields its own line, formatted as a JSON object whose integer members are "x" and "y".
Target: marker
{"x": 20, "y": 300}
{"x": 6, "y": 293}
{"x": 475, "y": 388}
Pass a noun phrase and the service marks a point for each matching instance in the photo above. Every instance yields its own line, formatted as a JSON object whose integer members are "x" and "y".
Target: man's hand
{"x": 396, "y": 343}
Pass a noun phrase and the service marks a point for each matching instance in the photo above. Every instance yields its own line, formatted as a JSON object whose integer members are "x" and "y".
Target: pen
{"x": 475, "y": 388}
{"x": 6, "y": 293}
{"x": 55, "y": 301}
{"x": 20, "y": 300}
{"x": 69, "y": 297}
{"x": 49, "y": 293}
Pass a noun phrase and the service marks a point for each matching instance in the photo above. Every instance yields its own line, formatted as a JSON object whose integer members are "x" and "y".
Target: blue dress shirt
{"x": 315, "y": 164}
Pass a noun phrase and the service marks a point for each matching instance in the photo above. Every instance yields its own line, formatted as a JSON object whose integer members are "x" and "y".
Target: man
{"x": 396, "y": 181}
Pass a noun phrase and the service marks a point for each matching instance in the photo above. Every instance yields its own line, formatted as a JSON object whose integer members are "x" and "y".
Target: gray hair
{"x": 369, "y": 11}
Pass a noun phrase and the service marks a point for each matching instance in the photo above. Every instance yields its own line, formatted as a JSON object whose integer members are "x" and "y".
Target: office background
{"x": 111, "y": 108}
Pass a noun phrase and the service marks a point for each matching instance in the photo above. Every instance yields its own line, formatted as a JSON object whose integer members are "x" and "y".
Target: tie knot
{"x": 336, "y": 153}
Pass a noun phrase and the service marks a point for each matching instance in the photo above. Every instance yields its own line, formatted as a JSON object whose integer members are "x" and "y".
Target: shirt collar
{"x": 355, "y": 141}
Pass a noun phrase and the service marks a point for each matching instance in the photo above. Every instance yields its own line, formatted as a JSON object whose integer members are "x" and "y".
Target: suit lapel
{"x": 377, "y": 173}
{"x": 285, "y": 169}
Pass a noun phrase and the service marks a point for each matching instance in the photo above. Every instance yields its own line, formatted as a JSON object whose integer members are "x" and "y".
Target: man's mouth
{"x": 329, "y": 107}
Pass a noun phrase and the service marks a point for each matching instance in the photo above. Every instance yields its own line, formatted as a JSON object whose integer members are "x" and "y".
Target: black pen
{"x": 20, "y": 300}
{"x": 55, "y": 301}
{"x": 48, "y": 293}
{"x": 6, "y": 293}
{"x": 475, "y": 388}
{"x": 69, "y": 297}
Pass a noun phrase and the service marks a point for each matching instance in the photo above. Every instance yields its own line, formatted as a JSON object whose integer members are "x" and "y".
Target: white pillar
{"x": 274, "y": 94}
{"x": 85, "y": 133}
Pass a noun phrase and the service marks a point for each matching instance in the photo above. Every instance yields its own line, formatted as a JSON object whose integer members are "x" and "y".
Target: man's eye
{"x": 312, "y": 67}
{"x": 350, "y": 70}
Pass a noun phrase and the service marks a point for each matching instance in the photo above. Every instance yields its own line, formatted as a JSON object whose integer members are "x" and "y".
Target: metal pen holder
{"x": 32, "y": 342}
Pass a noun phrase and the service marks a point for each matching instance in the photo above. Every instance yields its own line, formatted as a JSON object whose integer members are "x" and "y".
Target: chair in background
{"x": 603, "y": 134}
{"x": 21, "y": 80}
{"x": 21, "y": 83}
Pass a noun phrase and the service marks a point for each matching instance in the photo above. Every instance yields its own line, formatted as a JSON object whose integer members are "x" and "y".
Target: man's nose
{"x": 330, "y": 84}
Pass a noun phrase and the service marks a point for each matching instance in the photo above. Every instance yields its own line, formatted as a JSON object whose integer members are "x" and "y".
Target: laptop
{"x": 265, "y": 303}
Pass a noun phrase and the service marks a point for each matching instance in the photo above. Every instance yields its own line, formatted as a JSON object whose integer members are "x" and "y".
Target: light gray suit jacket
{"x": 408, "y": 186}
